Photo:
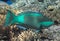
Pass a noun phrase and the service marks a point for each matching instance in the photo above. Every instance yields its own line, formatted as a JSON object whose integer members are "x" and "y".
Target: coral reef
{"x": 52, "y": 13}
{"x": 28, "y": 36}
{"x": 50, "y": 8}
{"x": 53, "y": 32}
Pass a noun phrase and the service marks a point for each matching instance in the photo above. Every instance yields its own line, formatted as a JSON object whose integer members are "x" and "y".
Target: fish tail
{"x": 9, "y": 18}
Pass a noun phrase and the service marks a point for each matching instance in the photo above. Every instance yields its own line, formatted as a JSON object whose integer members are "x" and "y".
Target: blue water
{"x": 7, "y": 1}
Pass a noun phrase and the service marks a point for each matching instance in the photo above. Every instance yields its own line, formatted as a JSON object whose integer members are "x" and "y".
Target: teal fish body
{"x": 34, "y": 19}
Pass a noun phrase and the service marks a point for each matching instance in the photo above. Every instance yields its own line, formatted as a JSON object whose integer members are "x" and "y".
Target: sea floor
{"x": 50, "y": 34}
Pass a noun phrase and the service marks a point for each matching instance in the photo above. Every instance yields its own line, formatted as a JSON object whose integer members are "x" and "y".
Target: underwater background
{"x": 29, "y": 20}
{"x": 7, "y": 1}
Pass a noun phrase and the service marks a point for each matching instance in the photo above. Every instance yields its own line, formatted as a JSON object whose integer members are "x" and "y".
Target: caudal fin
{"x": 9, "y": 18}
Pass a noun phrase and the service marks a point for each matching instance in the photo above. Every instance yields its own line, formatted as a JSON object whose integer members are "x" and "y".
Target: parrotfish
{"x": 35, "y": 19}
